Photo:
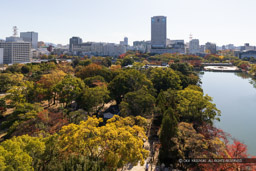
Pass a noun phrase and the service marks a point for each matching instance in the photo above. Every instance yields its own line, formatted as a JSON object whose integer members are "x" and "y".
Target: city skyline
{"x": 220, "y": 22}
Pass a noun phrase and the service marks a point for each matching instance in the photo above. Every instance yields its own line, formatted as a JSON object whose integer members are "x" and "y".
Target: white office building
{"x": 31, "y": 37}
{"x": 194, "y": 46}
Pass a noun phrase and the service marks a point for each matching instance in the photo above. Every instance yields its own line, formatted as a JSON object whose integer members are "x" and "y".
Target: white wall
{"x": 1, "y": 55}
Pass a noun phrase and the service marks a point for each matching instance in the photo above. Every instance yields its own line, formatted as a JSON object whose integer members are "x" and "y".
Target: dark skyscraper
{"x": 158, "y": 32}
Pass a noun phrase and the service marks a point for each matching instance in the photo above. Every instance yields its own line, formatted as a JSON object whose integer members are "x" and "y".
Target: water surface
{"x": 234, "y": 94}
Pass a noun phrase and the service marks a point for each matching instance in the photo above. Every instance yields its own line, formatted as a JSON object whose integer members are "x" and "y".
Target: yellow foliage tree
{"x": 117, "y": 143}
{"x": 21, "y": 153}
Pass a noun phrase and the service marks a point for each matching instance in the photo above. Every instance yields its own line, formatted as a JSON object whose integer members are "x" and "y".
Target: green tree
{"x": 46, "y": 68}
{"x": 137, "y": 103}
{"x": 107, "y": 62}
{"x": 168, "y": 153}
{"x": 8, "y": 80}
{"x": 69, "y": 89}
{"x": 3, "y": 107}
{"x": 23, "y": 93}
{"x": 164, "y": 79}
{"x": 85, "y": 62}
{"x": 21, "y": 153}
{"x": 46, "y": 84}
{"x": 253, "y": 70}
{"x": 166, "y": 99}
{"x": 93, "y": 99}
{"x": 128, "y": 60}
{"x": 25, "y": 69}
{"x": 77, "y": 116}
{"x": 193, "y": 106}
{"x": 128, "y": 81}
{"x": 92, "y": 81}
{"x": 15, "y": 68}
{"x": 138, "y": 65}
{"x": 186, "y": 80}
{"x": 184, "y": 68}
{"x": 16, "y": 95}
{"x": 22, "y": 112}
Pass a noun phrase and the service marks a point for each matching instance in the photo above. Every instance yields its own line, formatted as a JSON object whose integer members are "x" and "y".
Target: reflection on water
{"x": 235, "y": 95}
{"x": 247, "y": 76}
{"x": 243, "y": 75}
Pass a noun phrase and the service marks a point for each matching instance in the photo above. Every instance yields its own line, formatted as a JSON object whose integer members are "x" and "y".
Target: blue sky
{"x": 218, "y": 21}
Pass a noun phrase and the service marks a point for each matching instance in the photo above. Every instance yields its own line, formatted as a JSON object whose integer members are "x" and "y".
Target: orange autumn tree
{"x": 89, "y": 71}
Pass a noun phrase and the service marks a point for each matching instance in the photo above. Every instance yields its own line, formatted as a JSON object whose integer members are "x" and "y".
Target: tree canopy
{"x": 127, "y": 81}
{"x": 136, "y": 103}
{"x": 164, "y": 79}
{"x": 117, "y": 143}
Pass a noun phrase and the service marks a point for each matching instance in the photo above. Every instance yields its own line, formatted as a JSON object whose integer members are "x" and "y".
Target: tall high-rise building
{"x": 126, "y": 41}
{"x": 74, "y": 41}
{"x": 194, "y": 46}
{"x": 31, "y": 37}
{"x": 158, "y": 32}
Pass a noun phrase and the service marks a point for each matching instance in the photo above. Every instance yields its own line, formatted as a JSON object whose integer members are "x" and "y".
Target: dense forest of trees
{"x": 51, "y": 115}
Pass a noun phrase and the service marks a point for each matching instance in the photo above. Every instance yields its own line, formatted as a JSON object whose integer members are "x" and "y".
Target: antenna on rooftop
{"x": 15, "y": 31}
